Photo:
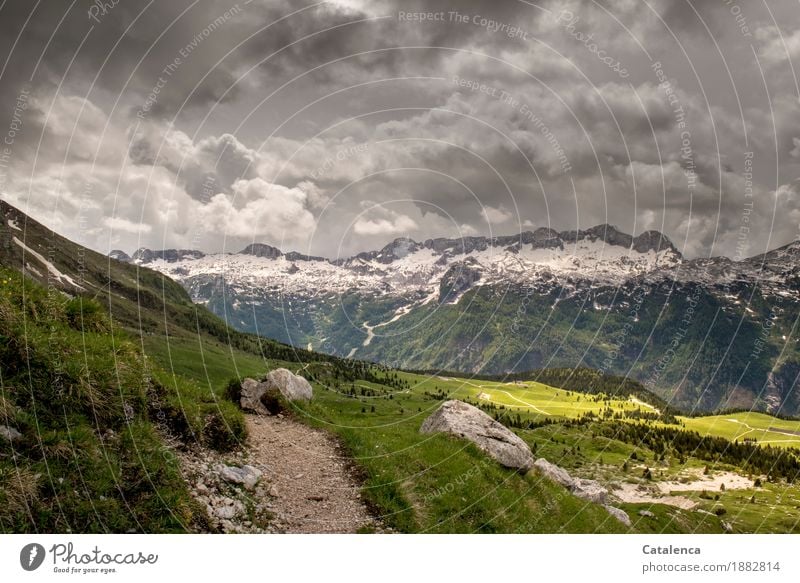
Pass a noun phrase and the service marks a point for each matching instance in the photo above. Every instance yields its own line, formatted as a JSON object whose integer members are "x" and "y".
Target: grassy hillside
{"x": 98, "y": 376}
{"x": 87, "y": 404}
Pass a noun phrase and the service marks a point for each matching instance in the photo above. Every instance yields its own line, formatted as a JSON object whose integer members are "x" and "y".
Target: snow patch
{"x": 50, "y": 267}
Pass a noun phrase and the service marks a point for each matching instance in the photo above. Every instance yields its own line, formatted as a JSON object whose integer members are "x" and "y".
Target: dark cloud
{"x": 184, "y": 130}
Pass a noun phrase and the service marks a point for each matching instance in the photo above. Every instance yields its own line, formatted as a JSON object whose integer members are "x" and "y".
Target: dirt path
{"x": 313, "y": 488}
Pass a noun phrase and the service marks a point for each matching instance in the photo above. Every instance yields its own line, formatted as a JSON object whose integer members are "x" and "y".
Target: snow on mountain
{"x": 601, "y": 255}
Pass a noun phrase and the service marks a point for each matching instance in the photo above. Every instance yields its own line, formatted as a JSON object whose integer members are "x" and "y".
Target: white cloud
{"x": 495, "y": 216}
{"x": 126, "y": 226}
{"x": 795, "y": 152}
{"x": 259, "y": 210}
{"x": 777, "y": 46}
{"x": 384, "y": 222}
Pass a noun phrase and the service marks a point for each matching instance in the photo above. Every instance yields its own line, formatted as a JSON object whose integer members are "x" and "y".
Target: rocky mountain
{"x": 704, "y": 334}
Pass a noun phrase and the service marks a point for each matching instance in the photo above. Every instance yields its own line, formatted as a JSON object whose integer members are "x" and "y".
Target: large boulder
{"x": 293, "y": 387}
{"x": 468, "y": 422}
{"x": 256, "y": 396}
{"x": 250, "y": 397}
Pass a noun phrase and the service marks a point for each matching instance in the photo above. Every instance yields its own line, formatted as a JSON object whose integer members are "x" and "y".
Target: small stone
{"x": 9, "y": 433}
{"x": 229, "y": 510}
{"x": 646, "y": 513}
{"x": 248, "y": 476}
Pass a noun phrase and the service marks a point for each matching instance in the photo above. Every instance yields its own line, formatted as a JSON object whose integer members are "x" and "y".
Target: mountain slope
{"x": 100, "y": 389}
{"x": 102, "y": 407}
{"x": 703, "y": 334}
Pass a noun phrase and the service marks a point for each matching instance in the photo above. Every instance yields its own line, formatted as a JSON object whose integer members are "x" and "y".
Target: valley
{"x": 124, "y": 368}
{"x": 704, "y": 334}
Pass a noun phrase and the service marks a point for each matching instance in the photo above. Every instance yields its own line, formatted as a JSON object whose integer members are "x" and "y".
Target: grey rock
{"x": 619, "y": 514}
{"x": 463, "y": 420}
{"x": 278, "y": 382}
{"x": 250, "y": 398}
{"x": 727, "y": 526}
{"x": 555, "y": 473}
{"x": 646, "y": 514}
{"x": 293, "y": 387}
{"x": 9, "y": 433}
{"x": 458, "y": 279}
{"x": 589, "y": 490}
{"x": 248, "y": 476}
{"x": 261, "y": 250}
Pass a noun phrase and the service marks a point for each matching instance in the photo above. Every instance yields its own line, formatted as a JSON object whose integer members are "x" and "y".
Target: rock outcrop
{"x": 589, "y": 490}
{"x": 280, "y": 382}
{"x": 470, "y": 423}
{"x": 619, "y": 514}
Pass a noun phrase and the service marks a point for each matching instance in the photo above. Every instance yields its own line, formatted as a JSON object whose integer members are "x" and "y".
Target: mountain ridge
{"x": 542, "y": 237}
{"x": 702, "y": 333}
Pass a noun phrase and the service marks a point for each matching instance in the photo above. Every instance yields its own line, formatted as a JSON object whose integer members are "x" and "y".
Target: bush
{"x": 233, "y": 390}
{"x": 275, "y": 402}
{"x": 224, "y": 428}
{"x": 86, "y": 315}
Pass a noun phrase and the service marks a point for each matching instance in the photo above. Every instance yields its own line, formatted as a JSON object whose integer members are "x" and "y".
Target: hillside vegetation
{"x": 87, "y": 405}
{"x": 105, "y": 381}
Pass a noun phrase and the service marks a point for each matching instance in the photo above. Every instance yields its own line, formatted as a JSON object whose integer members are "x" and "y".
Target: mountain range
{"x": 115, "y": 361}
{"x": 704, "y": 334}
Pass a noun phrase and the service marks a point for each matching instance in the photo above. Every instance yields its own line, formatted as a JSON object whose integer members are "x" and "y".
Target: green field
{"x": 424, "y": 483}
{"x": 539, "y": 402}
{"x": 765, "y": 429}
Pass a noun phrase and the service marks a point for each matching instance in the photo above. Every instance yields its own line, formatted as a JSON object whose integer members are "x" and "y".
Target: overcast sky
{"x": 338, "y": 126}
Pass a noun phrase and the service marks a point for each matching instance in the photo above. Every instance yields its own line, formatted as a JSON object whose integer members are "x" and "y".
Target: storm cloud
{"x": 342, "y": 125}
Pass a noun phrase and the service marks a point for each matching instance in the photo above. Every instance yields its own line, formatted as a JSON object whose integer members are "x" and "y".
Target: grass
{"x": 764, "y": 429}
{"x": 94, "y": 402}
{"x": 437, "y": 484}
{"x": 776, "y": 508}
{"x": 420, "y": 483}
{"x": 540, "y": 402}
{"x": 431, "y": 484}
{"x": 93, "y": 412}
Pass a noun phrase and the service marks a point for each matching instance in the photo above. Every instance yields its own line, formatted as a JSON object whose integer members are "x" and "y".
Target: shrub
{"x": 275, "y": 402}
{"x": 224, "y": 428}
{"x": 233, "y": 390}
{"x": 86, "y": 315}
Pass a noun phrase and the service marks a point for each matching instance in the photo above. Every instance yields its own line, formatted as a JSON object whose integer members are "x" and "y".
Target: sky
{"x": 335, "y": 127}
